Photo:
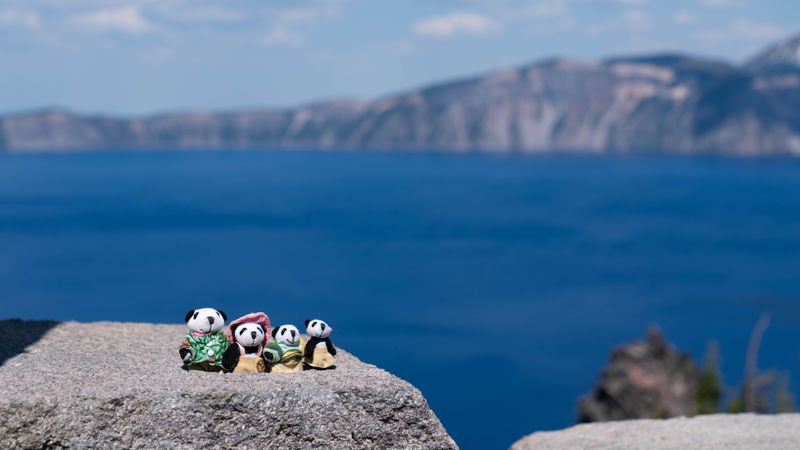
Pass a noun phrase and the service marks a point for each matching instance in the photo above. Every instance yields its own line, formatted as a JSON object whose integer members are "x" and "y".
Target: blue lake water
{"x": 497, "y": 285}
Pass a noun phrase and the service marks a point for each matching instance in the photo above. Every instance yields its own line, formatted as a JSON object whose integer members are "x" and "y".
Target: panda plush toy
{"x": 319, "y": 352}
{"x": 248, "y": 336}
{"x": 286, "y": 347}
{"x": 205, "y": 342}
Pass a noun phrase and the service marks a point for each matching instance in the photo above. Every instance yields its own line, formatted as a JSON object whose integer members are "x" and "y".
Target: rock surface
{"x": 120, "y": 385}
{"x": 643, "y": 379}
{"x": 716, "y": 432}
{"x": 667, "y": 103}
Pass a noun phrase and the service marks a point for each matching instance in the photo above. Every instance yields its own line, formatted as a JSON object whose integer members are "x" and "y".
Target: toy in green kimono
{"x": 286, "y": 347}
{"x": 205, "y": 342}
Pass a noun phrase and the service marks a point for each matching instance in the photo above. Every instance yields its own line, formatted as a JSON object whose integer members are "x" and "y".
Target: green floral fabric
{"x": 283, "y": 351}
{"x": 207, "y": 347}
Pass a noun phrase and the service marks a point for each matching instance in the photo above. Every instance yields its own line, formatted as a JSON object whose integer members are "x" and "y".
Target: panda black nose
{"x": 253, "y": 333}
{"x": 210, "y": 320}
{"x": 293, "y": 333}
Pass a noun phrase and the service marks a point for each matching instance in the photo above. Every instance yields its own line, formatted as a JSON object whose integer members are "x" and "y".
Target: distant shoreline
{"x": 662, "y": 103}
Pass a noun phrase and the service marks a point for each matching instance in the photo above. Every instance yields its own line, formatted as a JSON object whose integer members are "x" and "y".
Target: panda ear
{"x": 188, "y": 316}
{"x": 222, "y": 313}
{"x": 307, "y": 321}
{"x": 274, "y": 332}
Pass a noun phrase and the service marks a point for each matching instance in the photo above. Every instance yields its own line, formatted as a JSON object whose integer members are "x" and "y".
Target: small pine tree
{"x": 736, "y": 406}
{"x": 784, "y": 399}
{"x": 709, "y": 388}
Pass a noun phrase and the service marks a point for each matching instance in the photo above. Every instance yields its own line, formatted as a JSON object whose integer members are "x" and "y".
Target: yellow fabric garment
{"x": 289, "y": 364}
{"x": 321, "y": 359}
{"x": 292, "y": 360}
{"x": 250, "y": 365}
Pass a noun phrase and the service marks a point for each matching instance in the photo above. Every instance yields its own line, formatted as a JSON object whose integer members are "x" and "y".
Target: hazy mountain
{"x": 665, "y": 103}
{"x": 783, "y": 56}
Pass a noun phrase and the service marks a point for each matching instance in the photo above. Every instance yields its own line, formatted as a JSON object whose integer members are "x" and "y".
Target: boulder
{"x": 121, "y": 385}
{"x": 713, "y": 432}
{"x": 643, "y": 379}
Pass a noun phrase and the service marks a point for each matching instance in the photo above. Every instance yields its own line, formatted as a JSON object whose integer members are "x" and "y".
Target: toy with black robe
{"x": 319, "y": 352}
{"x": 248, "y": 335}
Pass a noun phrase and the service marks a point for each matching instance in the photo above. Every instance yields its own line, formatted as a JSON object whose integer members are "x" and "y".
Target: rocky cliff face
{"x": 665, "y": 103}
{"x": 115, "y": 385}
{"x": 646, "y": 379}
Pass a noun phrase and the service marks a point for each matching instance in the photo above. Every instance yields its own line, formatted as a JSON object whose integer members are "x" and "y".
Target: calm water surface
{"x": 496, "y": 285}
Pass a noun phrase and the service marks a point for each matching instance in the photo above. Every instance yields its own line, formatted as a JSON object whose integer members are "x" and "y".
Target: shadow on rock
{"x": 17, "y": 335}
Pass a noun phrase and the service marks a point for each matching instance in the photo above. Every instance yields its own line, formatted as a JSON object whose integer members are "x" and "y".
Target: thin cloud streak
{"x": 456, "y": 23}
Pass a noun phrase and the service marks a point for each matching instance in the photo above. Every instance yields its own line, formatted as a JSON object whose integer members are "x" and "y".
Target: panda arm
{"x": 230, "y": 358}
{"x": 186, "y": 352}
{"x": 331, "y": 348}
{"x": 272, "y": 352}
{"x": 310, "y": 346}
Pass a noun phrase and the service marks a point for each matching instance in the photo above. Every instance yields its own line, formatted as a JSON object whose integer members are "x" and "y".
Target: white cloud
{"x": 631, "y": 2}
{"x": 289, "y": 25}
{"x": 23, "y": 19}
{"x": 127, "y": 19}
{"x": 281, "y": 35}
{"x": 720, "y": 3}
{"x": 455, "y": 23}
{"x": 205, "y": 14}
{"x": 741, "y": 36}
{"x": 306, "y": 14}
{"x": 636, "y": 19}
{"x": 552, "y": 8}
{"x": 758, "y": 30}
{"x": 684, "y": 17}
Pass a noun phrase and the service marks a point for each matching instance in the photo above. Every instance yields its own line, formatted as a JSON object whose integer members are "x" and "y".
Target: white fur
{"x": 206, "y": 320}
{"x": 249, "y": 334}
{"x": 318, "y": 328}
{"x": 288, "y": 334}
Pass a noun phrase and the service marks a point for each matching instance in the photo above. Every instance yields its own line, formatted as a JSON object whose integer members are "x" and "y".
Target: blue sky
{"x": 146, "y": 56}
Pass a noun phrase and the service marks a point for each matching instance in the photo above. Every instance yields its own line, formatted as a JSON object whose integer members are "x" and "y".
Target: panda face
{"x": 318, "y": 328}
{"x": 205, "y": 320}
{"x": 287, "y": 334}
{"x": 249, "y": 334}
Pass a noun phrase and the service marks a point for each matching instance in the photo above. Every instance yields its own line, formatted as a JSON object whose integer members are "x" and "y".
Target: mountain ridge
{"x": 668, "y": 103}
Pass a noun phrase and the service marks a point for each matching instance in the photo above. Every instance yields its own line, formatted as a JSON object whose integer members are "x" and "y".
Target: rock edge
{"x": 712, "y": 432}
{"x": 120, "y": 385}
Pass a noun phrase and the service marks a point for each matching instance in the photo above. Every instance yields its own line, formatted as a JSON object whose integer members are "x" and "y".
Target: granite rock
{"x": 645, "y": 379}
{"x": 120, "y": 385}
{"x": 714, "y": 432}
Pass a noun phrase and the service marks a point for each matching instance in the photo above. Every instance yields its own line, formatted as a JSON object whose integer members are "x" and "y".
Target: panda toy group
{"x": 319, "y": 352}
{"x": 247, "y": 337}
{"x": 286, "y": 348}
{"x": 247, "y": 348}
{"x": 205, "y": 342}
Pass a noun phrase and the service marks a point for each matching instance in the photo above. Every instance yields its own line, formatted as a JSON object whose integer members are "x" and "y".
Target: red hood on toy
{"x": 257, "y": 317}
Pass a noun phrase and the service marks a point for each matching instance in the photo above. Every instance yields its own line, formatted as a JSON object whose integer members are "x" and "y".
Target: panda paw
{"x": 269, "y": 355}
{"x": 186, "y": 355}
{"x": 230, "y": 358}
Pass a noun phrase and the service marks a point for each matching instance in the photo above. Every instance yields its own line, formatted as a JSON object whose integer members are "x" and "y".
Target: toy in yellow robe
{"x": 287, "y": 358}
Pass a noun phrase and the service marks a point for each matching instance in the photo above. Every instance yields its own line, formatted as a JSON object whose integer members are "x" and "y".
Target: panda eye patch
{"x": 195, "y": 314}
{"x": 283, "y": 331}
{"x": 241, "y": 332}
{"x": 313, "y": 324}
